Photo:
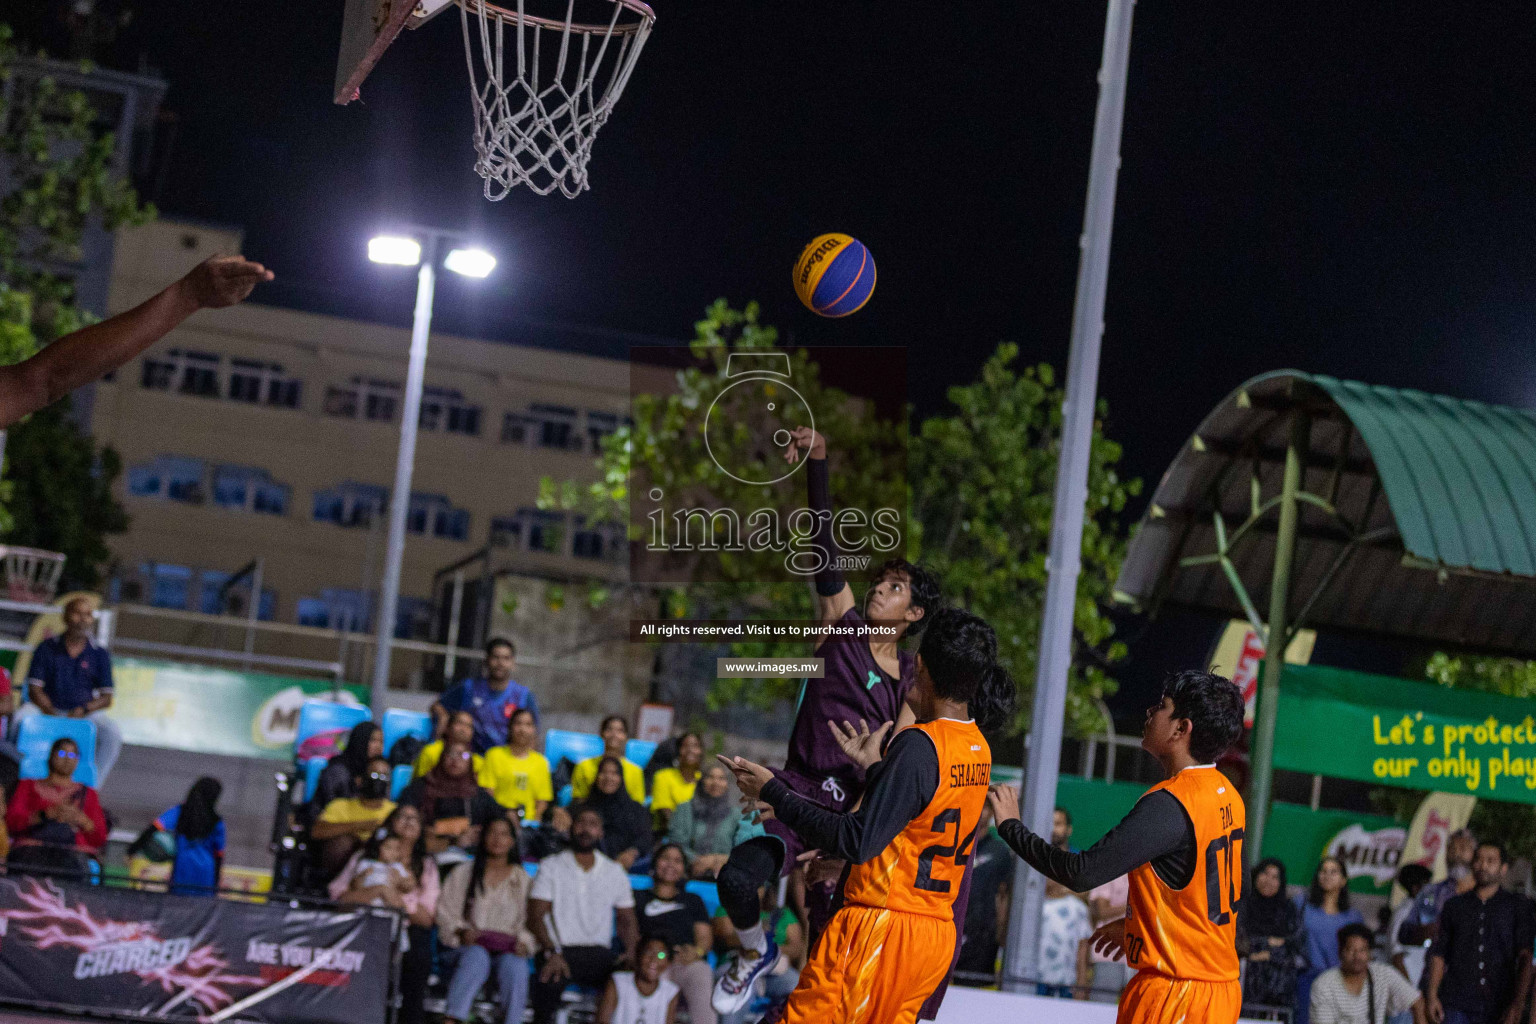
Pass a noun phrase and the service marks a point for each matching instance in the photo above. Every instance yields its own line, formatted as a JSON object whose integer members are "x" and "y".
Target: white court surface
{"x": 972, "y": 1005}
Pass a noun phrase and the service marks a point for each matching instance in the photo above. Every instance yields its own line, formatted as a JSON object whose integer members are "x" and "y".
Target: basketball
{"x": 835, "y": 275}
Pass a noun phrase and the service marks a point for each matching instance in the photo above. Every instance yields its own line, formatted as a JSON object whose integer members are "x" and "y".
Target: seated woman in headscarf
{"x": 1269, "y": 938}
{"x": 453, "y": 804}
{"x": 706, "y": 826}
{"x": 626, "y": 824}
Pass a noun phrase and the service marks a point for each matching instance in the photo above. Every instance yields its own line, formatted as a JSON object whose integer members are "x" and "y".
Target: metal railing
{"x": 343, "y": 656}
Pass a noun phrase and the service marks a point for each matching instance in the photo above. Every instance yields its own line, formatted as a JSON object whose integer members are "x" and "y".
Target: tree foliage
{"x": 977, "y": 482}
{"x": 58, "y": 181}
{"x": 665, "y": 447}
{"x": 983, "y": 494}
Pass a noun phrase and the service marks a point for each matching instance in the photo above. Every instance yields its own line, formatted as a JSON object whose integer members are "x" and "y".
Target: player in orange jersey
{"x": 1182, "y": 845}
{"x": 891, "y": 942}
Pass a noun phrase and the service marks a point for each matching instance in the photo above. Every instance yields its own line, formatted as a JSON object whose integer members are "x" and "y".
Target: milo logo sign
{"x": 1372, "y": 854}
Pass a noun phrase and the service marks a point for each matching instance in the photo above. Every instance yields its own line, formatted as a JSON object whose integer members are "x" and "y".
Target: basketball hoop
{"x": 29, "y": 574}
{"x": 538, "y": 109}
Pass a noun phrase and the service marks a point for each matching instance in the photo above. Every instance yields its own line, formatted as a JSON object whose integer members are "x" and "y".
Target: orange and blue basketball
{"x": 835, "y": 275}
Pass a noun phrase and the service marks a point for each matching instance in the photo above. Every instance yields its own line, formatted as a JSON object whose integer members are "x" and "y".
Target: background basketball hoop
{"x": 29, "y": 574}
{"x": 547, "y": 76}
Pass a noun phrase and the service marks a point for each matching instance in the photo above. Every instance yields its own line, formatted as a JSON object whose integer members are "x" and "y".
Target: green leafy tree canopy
{"x": 978, "y": 482}
{"x": 59, "y": 182}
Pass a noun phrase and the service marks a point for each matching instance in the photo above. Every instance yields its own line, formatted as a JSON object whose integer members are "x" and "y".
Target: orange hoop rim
{"x": 501, "y": 14}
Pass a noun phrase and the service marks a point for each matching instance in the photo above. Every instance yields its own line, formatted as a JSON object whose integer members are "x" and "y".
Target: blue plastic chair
{"x": 323, "y": 716}
{"x": 576, "y": 746}
{"x": 37, "y": 736}
{"x": 398, "y": 723}
{"x": 709, "y": 893}
{"x": 312, "y": 769}
{"x": 399, "y": 778}
{"x": 640, "y": 751}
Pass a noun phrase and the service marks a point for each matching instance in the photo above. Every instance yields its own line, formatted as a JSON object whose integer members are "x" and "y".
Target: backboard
{"x": 367, "y": 29}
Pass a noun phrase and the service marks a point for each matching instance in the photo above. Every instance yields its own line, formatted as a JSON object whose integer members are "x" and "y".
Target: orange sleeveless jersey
{"x": 1191, "y": 933}
{"x": 920, "y": 871}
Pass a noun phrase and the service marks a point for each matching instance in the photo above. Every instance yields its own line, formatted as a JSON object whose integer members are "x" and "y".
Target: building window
{"x": 518, "y": 429}
{"x": 190, "y": 373}
{"x": 413, "y": 618}
{"x": 599, "y": 426}
{"x": 167, "y": 476}
{"x": 530, "y": 529}
{"x": 350, "y": 504}
{"x": 262, "y": 384}
{"x": 338, "y": 608}
{"x": 363, "y": 397}
{"x": 434, "y": 514}
{"x": 603, "y": 541}
{"x": 170, "y": 586}
{"x": 252, "y": 490}
{"x": 442, "y": 409}
{"x": 212, "y": 600}
{"x": 556, "y": 427}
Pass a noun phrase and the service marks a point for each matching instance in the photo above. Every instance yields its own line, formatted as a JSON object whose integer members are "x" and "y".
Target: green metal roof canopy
{"x": 1415, "y": 514}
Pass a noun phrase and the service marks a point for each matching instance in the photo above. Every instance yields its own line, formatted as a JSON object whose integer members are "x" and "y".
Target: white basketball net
{"x": 539, "y": 106}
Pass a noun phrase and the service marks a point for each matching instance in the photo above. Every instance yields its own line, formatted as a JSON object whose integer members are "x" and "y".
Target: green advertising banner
{"x": 1369, "y": 845}
{"x": 1402, "y": 733}
{"x": 213, "y": 710}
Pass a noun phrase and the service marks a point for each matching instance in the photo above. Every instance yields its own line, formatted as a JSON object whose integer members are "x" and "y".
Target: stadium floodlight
{"x": 470, "y": 262}
{"x": 395, "y": 250}
{"x": 414, "y": 247}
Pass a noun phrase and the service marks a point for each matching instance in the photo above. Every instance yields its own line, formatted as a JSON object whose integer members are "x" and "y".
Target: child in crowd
{"x": 641, "y": 996}
{"x": 384, "y": 863}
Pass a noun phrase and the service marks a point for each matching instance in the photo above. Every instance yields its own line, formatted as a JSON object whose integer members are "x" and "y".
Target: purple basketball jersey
{"x": 853, "y": 687}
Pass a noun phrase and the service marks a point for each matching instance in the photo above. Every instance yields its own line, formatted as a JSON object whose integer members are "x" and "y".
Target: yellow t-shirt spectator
{"x": 585, "y": 774}
{"x": 669, "y": 788}
{"x": 433, "y": 753}
{"x": 347, "y": 809}
{"x": 517, "y": 781}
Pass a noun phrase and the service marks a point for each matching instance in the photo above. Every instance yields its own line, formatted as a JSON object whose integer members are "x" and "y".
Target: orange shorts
{"x": 1152, "y": 998}
{"x": 872, "y": 966}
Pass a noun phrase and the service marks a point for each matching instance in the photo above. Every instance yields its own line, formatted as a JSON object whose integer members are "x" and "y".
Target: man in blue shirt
{"x": 71, "y": 676}
{"x": 491, "y": 699}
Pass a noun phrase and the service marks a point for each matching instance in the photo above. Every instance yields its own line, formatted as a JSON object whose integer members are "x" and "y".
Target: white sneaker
{"x": 734, "y": 989}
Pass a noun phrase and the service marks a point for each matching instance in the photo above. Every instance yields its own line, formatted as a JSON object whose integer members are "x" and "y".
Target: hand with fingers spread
{"x": 1004, "y": 801}
{"x": 808, "y": 440}
{"x": 1109, "y": 939}
{"x": 750, "y": 778}
{"x": 861, "y": 746}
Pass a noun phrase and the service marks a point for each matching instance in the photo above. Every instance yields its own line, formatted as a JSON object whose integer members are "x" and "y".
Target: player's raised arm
{"x": 1157, "y": 827}
{"x": 93, "y": 351}
{"x": 833, "y": 594}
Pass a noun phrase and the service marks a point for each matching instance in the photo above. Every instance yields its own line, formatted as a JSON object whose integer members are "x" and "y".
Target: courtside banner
{"x": 161, "y": 957}
{"x": 1398, "y": 732}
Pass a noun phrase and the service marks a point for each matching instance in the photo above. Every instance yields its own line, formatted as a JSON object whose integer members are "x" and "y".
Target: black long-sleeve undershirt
{"x": 1158, "y": 830}
{"x": 829, "y": 581}
{"x": 896, "y": 791}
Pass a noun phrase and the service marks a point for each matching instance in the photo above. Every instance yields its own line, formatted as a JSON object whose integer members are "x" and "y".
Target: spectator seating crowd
{"x": 531, "y": 873}
{"x": 519, "y": 865}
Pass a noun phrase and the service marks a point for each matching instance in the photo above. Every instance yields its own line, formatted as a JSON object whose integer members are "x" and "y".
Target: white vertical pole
{"x": 400, "y": 500}
{"x": 1055, "y": 659}
{"x": 252, "y": 615}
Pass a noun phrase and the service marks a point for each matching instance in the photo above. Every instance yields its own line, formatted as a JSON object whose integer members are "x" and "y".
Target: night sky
{"x": 1345, "y": 189}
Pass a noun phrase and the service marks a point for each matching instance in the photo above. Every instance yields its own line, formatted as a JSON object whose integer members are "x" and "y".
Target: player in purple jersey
{"x": 865, "y": 681}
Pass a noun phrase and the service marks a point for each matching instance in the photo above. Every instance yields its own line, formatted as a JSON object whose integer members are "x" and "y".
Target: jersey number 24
{"x": 959, "y": 851}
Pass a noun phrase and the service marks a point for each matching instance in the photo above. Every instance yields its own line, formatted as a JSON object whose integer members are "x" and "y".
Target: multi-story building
{"x": 258, "y": 432}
